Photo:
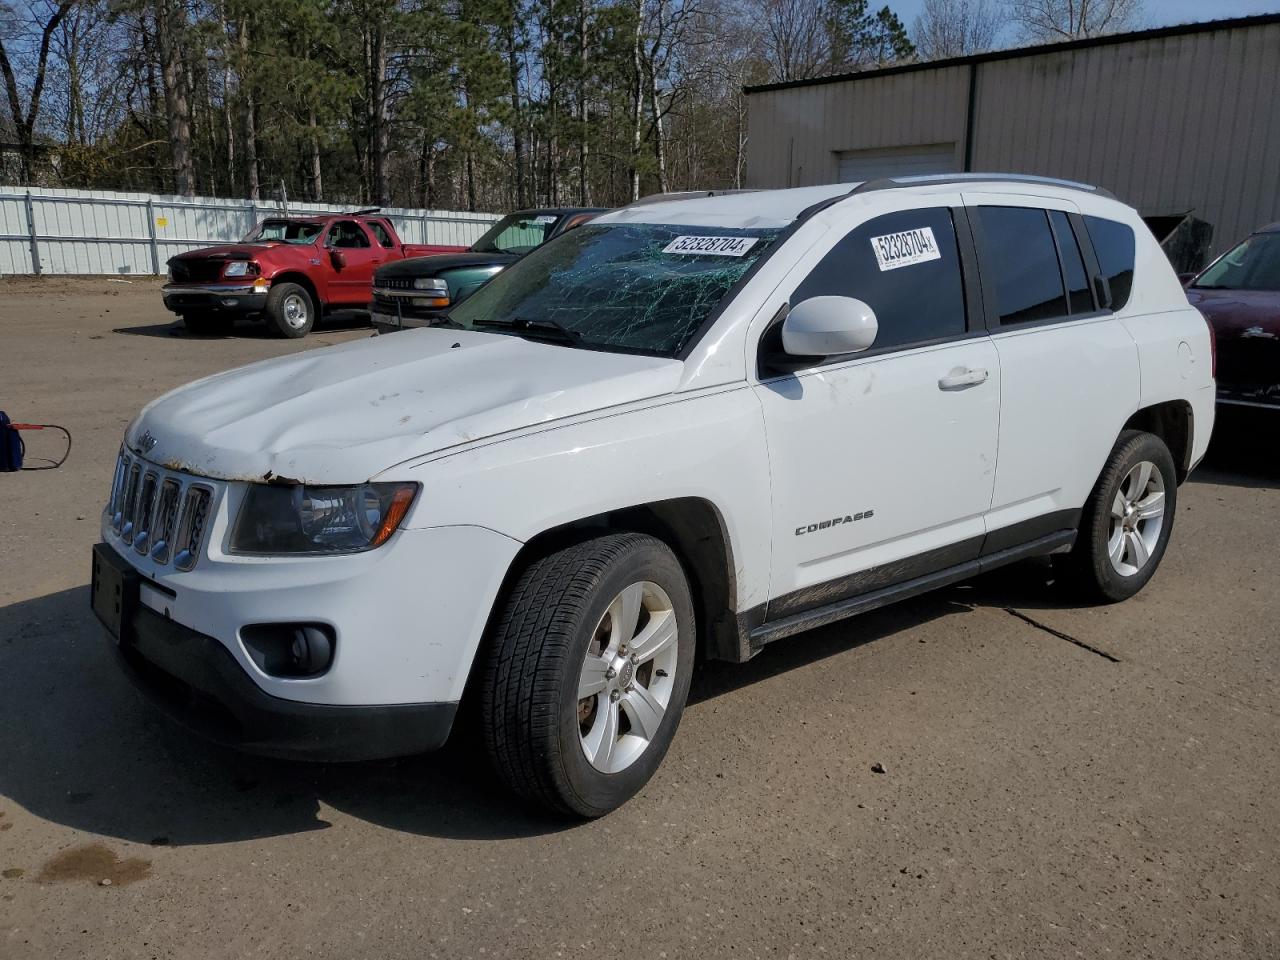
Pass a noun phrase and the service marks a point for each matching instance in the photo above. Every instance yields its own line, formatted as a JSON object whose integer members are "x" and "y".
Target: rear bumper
{"x": 227, "y": 298}
{"x": 197, "y": 681}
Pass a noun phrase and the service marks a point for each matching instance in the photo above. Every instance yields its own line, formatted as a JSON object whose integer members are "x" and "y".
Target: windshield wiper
{"x": 548, "y": 329}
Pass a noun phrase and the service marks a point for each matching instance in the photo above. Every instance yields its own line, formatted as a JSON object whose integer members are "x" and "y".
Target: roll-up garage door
{"x": 860, "y": 165}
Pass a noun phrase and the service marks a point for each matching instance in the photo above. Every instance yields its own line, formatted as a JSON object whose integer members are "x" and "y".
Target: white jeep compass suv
{"x": 686, "y": 430}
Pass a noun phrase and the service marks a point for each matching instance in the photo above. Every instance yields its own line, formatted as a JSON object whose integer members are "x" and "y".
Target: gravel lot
{"x": 1058, "y": 781}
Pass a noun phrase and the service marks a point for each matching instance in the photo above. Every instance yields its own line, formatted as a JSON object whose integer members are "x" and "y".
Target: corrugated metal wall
{"x": 102, "y": 231}
{"x": 1171, "y": 123}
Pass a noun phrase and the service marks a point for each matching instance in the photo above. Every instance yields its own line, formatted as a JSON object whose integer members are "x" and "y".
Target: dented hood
{"x": 343, "y": 414}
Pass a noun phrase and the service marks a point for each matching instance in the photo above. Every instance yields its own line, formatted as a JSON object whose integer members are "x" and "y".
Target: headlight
{"x": 434, "y": 284}
{"x": 302, "y": 519}
{"x": 240, "y": 268}
{"x": 171, "y": 274}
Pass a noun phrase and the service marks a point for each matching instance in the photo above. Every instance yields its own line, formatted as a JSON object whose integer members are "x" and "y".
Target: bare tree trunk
{"x": 317, "y": 185}
{"x": 471, "y": 181}
{"x": 250, "y": 121}
{"x": 637, "y": 99}
{"x": 584, "y": 184}
{"x": 517, "y": 126}
{"x": 740, "y": 138}
{"x": 659, "y": 147}
{"x": 379, "y": 140}
{"x": 228, "y": 121}
{"x": 175, "y": 98}
{"x": 427, "y": 173}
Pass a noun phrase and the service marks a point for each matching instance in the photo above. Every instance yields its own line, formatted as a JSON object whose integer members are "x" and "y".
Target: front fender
{"x": 709, "y": 446}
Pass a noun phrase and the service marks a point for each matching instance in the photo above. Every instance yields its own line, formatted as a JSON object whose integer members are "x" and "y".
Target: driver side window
{"x": 346, "y": 234}
{"x": 906, "y": 267}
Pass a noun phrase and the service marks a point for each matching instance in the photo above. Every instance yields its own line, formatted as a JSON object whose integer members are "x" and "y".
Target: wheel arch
{"x": 1173, "y": 421}
{"x": 302, "y": 280}
{"x": 695, "y": 531}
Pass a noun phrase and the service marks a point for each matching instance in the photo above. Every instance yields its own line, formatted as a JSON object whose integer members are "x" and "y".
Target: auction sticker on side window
{"x": 711, "y": 246}
{"x": 905, "y": 249}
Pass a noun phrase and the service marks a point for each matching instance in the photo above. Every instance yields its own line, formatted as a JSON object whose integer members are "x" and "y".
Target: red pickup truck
{"x": 288, "y": 271}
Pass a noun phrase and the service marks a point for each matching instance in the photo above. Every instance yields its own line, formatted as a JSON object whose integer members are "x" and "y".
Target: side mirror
{"x": 827, "y": 326}
{"x": 338, "y": 259}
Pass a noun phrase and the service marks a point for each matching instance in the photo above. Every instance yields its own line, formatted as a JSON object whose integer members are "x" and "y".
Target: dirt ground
{"x": 1058, "y": 781}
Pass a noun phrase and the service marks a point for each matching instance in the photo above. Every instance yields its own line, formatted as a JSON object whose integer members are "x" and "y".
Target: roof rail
{"x": 365, "y": 212}
{"x": 936, "y": 179}
{"x": 681, "y": 195}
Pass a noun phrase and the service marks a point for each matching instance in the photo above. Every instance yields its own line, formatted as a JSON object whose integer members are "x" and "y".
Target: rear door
{"x": 882, "y": 463}
{"x": 351, "y": 284}
{"x": 1068, "y": 369}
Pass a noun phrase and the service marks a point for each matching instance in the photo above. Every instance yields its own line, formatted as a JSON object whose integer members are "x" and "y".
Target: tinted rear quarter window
{"x": 1114, "y": 244}
{"x": 1021, "y": 256}
{"x": 914, "y": 284}
{"x": 1081, "y": 300}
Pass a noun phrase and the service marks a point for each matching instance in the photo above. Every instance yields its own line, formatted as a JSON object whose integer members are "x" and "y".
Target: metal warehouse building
{"x": 1177, "y": 121}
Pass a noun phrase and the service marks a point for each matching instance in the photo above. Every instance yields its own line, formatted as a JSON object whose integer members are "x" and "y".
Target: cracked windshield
{"x": 643, "y": 288}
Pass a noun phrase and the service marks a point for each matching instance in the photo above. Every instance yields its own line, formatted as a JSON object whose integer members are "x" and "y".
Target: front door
{"x": 883, "y": 464}
{"x": 351, "y": 282}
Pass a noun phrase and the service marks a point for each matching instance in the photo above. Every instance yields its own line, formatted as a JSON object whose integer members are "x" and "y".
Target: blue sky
{"x": 1156, "y": 13}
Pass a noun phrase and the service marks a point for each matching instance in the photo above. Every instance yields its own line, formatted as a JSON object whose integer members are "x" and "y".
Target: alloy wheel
{"x": 1137, "y": 517}
{"x": 627, "y": 677}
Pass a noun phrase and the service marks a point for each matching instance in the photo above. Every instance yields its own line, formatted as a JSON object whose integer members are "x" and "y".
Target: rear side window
{"x": 906, "y": 267}
{"x": 1079, "y": 298}
{"x": 1113, "y": 243}
{"x": 1021, "y": 256}
{"x": 381, "y": 233}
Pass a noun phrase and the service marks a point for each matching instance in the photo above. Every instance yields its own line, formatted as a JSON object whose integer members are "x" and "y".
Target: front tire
{"x": 290, "y": 310}
{"x": 587, "y": 673}
{"x": 1127, "y": 521}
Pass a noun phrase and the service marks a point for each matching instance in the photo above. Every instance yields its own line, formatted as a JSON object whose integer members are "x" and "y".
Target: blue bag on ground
{"x": 10, "y": 445}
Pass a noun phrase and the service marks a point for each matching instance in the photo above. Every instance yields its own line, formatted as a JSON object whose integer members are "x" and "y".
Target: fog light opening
{"x": 290, "y": 650}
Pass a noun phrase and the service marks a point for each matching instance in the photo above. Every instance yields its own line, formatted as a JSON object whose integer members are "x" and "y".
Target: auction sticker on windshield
{"x": 905, "y": 249}
{"x": 712, "y": 246}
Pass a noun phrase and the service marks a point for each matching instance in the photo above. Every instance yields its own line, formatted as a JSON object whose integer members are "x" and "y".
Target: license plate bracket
{"x": 113, "y": 591}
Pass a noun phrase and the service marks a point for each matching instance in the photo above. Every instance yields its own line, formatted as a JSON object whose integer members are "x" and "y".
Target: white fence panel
{"x": 104, "y": 231}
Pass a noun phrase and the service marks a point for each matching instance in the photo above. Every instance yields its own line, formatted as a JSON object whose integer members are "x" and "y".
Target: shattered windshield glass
{"x": 632, "y": 287}
{"x": 290, "y": 231}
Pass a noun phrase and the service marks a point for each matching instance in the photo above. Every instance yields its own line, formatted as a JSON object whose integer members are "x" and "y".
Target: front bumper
{"x": 195, "y": 680}
{"x": 237, "y": 298}
{"x": 406, "y": 621}
{"x": 384, "y": 322}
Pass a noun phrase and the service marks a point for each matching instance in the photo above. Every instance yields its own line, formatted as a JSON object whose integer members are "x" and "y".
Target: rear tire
{"x": 587, "y": 673}
{"x": 290, "y": 311}
{"x": 1126, "y": 523}
{"x": 207, "y": 324}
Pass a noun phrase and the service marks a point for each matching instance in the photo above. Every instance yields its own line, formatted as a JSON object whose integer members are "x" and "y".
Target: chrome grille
{"x": 115, "y": 503}
{"x": 191, "y": 527}
{"x": 396, "y": 283}
{"x": 161, "y": 514}
{"x": 130, "y": 502}
{"x": 166, "y": 520}
{"x": 142, "y": 513}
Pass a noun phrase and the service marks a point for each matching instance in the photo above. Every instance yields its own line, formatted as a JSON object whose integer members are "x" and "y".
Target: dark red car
{"x": 288, "y": 271}
{"x": 1239, "y": 294}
